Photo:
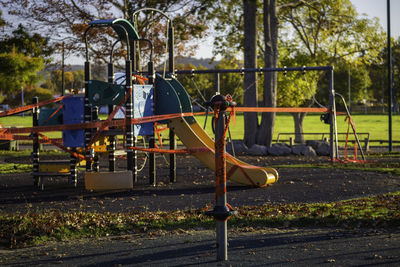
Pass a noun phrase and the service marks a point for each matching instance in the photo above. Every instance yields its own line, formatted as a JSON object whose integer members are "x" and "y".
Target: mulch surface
{"x": 194, "y": 188}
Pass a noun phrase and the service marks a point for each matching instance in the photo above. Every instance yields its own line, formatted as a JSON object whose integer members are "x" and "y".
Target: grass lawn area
{"x": 376, "y": 125}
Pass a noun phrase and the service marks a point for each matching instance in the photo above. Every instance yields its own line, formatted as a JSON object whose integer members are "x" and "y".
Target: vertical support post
{"x": 217, "y": 86}
{"x": 152, "y": 157}
{"x": 88, "y": 117}
{"x": 95, "y": 116}
{"x": 389, "y": 66}
{"x": 334, "y": 150}
{"x": 35, "y": 149}
{"x": 73, "y": 177}
{"x": 63, "y": 70}
{"x": 172, "y": 140}
{"x": 172, "y": 157}
{"x": 111, "y": 138}
{"x": 171, "y": 65}
{"x": 220, "y": 171}
{"x": 349, "y": 87}
{"x": 130, "y": 134}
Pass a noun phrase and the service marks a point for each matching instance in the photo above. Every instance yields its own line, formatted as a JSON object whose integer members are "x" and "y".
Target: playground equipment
{"x": 165, "y": 101}
{"x": 150, "y": 99}
{"x": 171, "y": 105}
{"x": 157, "y": 98}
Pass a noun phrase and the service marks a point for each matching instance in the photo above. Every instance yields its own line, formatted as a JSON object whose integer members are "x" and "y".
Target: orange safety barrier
{"x": 31, "y": 106}
{"x": 73, "y": 153}
{"x": 280, "y": 109}
{"x": 141, "y": 79}
{"x": 170, "y": 151}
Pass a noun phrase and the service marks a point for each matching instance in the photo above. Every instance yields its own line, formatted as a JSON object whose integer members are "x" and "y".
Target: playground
{"x": 137, "y": 189}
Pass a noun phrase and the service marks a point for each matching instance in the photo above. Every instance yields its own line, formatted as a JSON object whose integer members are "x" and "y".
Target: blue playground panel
{"x": 74, "y": 112}
{"x": 143, "y": 107}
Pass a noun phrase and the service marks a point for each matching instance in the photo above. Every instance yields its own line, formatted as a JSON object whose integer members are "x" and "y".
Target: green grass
{"x": 7, "y": 168}
{"x": 30, "y": 229}
{"x": 376, "y": 125}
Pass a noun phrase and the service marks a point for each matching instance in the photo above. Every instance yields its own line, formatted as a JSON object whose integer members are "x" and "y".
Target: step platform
{"x": 57, "y": 166}
{"x": 108, "y": 180}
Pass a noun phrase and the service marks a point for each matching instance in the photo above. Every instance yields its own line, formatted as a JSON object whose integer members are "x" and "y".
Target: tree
{"x": 378, "y": 74}
{"x": 250, "y": 78}
{"x": 266, "y": 129}
{"x": 56, "y": 80}
{"x": 326, "y": 33}
{"x": 69, "y": 19}
{"x": 33, "y": 45}
{"x": 17, "y": 72}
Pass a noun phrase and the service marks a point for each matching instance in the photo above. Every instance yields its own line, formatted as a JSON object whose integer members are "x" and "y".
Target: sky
{"x": 371, "y": 8}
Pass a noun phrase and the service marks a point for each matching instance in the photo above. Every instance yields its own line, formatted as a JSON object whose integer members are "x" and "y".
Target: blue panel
{"x": 74, "y": 112}
{"x": 143, "y": 107}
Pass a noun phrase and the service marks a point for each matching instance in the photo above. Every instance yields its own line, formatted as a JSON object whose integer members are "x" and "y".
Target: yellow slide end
{"x": 193, "y": 136}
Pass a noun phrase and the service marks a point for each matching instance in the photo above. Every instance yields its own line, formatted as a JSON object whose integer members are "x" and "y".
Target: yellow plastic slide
{"x": 193, "y": 136}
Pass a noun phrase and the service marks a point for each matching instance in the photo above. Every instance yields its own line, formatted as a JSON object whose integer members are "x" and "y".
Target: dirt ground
{"x": 194, "y": 188}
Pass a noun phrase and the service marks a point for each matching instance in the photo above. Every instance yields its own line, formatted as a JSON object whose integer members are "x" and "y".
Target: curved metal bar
{"x": 151, "y": 9}
{"x": 151, "y": 47}
{"x": 127, "y": 40}
{"x": 112, "y": 50}
{"x": 86, "y": 42}
{"x": 170, "y": 38}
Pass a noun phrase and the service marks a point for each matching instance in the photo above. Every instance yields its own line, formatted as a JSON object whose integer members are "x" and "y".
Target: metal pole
{"x": 220, "y": 171}
{"x": 349, "y": 87}
{"x": 73, "y": 177}
{"x": 22, "y": 101}
{"x": 35, "y": 153}
{"x": 63, "y": 71}
{"x": 130, "y": 139}
{"x": 326, "y": 68}
{"x": 172, "y": 140}
{"x": 217, "y": 86}
{"x": 88, "y": 116}
{"x": 334, "y": 150}
{"x": 366, "y": 94}
{"x": 389, "y": 66}
{"x": 111, "y": 152}
{"x": 152, "y": 141}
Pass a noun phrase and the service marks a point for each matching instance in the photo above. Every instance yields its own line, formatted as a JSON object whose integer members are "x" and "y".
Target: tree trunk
{"x": 250, "y": 79}
{"x": 266, "y": 129}
{"x": 298, "y": 118}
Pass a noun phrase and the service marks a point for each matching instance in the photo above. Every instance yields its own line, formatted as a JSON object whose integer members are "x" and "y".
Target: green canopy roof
{"x": 117, "y": 25}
